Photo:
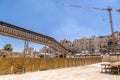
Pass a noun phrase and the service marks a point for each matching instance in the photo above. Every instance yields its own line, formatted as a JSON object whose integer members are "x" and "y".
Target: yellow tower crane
{"x": 110, "y": 17}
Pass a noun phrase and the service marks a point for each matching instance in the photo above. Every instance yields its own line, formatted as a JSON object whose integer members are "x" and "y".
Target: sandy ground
{"x": 89, "y": 72}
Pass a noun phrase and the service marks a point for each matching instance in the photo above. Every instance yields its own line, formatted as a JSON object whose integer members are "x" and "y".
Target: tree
{"x": 8, "y": 47}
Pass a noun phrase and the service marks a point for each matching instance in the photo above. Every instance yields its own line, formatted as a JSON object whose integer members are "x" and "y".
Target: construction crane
{"x": 110, "y": 17}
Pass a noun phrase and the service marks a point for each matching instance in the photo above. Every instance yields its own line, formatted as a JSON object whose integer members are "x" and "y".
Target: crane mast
{"x": 110, "y": 18}
{"x": 112, "y": 30}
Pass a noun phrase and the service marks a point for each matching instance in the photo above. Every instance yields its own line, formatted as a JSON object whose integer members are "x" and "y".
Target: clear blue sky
{"x": 52, "y": 18}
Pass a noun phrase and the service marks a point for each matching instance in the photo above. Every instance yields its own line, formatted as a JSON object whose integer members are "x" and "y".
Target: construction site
{"x": 96, "y": 58}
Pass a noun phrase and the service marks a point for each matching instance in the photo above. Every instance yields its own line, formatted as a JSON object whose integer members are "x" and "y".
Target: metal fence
{"x": 21, "y": 65}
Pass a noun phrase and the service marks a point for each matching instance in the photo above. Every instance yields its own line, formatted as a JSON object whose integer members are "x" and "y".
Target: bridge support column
{"x": 63, "y": 56}
{"x": 26, "y": 46}
{"x": 46, "y": 51}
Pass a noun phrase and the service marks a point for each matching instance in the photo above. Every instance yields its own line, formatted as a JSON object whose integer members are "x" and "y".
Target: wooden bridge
{"x": 27, "y": 35}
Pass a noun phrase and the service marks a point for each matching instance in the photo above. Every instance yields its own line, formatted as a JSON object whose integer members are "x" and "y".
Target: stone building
{"x": 67, "y": 44}
{"x": 90, "y": 45}
{"x": 8, "y": 54}
{"x": 87, "y": 45}
{"x": 47, "y": 50}
{"x": 5, "y": 54}
{"x": 30, "y": 52}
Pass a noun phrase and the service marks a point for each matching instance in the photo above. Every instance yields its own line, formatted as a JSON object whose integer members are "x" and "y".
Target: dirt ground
{"x": 89, "y": 72}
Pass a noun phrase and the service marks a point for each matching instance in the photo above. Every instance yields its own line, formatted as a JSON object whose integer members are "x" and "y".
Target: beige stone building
{"x": 67, "y": 44}
{"x": 8, "y": 54}
{"x": 89, "y": 45}
{"x": 86, "y": 45}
